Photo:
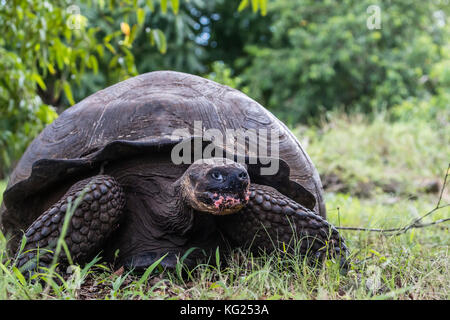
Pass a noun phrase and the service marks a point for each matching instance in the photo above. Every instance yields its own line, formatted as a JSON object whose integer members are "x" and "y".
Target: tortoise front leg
{"x": 96, "y": 216}
{"x": 272, "y": 221}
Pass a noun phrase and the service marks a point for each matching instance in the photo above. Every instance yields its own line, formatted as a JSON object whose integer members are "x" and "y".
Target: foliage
{"x": 255, "y": 4}
{"x": 432, "y": 107}
{"x": 58, "y": 43}
{"x": 322, "y": 56}
{"x": 223, "y": 74}
{"x": 22, "y": 115}
{"x": 46, "y": 49}
{"x": 228, "y": 33}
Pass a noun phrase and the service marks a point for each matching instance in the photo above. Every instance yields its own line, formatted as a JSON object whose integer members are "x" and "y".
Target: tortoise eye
{"x": 217, "y": 176}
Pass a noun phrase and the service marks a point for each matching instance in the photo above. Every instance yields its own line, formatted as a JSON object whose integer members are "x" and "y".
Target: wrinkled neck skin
{"x": 179, "y": 216}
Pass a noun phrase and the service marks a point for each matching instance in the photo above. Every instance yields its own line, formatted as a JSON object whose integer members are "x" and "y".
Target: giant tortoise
{"x": 114, "y": 152}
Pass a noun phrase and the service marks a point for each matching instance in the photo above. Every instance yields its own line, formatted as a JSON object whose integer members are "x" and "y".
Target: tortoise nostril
{"x": 243, "y": 175}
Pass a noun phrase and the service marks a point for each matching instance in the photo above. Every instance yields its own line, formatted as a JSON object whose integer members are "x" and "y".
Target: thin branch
{"x": 422, "y": 225}
{"x": 443, "y": 186}
{"x": 415, "y": 223}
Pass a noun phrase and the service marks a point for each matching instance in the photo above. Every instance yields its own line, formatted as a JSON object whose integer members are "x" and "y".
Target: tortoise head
{"x": 216, "y": 185}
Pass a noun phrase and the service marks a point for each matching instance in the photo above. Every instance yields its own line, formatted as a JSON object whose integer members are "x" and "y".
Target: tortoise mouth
{"x": 224, "y": 202}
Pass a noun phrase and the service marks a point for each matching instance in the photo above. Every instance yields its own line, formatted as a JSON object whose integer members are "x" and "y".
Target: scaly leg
{"x": 96, "y": 216}
{"x": 272, "y": 221}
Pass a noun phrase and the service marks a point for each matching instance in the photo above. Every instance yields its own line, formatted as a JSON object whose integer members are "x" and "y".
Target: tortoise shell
{"x": 140, "y": 115}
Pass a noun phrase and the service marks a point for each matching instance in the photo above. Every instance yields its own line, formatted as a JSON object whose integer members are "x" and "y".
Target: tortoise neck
{"x": 179, "y": 215}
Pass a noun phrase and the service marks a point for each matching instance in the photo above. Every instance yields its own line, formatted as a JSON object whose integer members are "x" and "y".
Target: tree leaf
{"x": 175, "y": 6}
{"x": 110, "y": 48}
{"x": 263, "y": 6}
{"x": 160, "y": 40}
{"x": 94, "y": 63}
{"x": 50, "y": 68}
{"x": 164, "y": 6}
{"x": 140, "y": 16}
{"x": 242, "y": 5}
{"x": 39, "y": 81}
{"x": 100, "y": 50}
{"x": 113, "y": 62}
{"x": 150, "y": 5}
{"x": 68, "y": 92}
{"x": 255, "y": 5}
{"x": 132, "y": 34}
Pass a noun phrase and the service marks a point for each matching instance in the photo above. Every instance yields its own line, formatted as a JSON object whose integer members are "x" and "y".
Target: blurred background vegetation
{"x": 349, "y": 91}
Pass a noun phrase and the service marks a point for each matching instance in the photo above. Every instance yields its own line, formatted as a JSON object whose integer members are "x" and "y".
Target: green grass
{"x": 392, "y": 161}
{"x": 375, "y": 157}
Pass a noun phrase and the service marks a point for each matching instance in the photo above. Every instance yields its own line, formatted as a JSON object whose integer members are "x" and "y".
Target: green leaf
{"x": 152, "y": 38}
{"x": 68, "y": 92}
{"x": 100, "y": 50}
{"x": 175, "y": 6}
{"x": 19, "y": 276}
{"x": 140, "y": 16}
{"x": 23, "y": 242}
{"x": 39, "y": 81}
{"x": 218, "y": 284}
{"x": 160, "y": 40}
{"x": 67, "y": 251}
{"x": 375, "y": 252}
{"x": 110, "y": 48}
{"x": 242, "y": 5}
{"x": 50, "y": 68}
{"x": 88, "y": 266}
{"x": 150, "y": 270}
{"x": 150, "y": 5}
{"x": 108, "y": 37}
{"x": 263, "y": 6}
{"x": 94, "y": 63}
{"x": 113, "y": 62}
{"x": 217, "y": 258}
{"x": 164, "y": 6}
{"x": 46, "y": 114}
{"x": 255, "y": 4}
{"x": 187, "y": 253}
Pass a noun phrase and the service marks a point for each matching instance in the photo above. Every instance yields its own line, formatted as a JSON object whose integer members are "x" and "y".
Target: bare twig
{"x": 415, "y": 223}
